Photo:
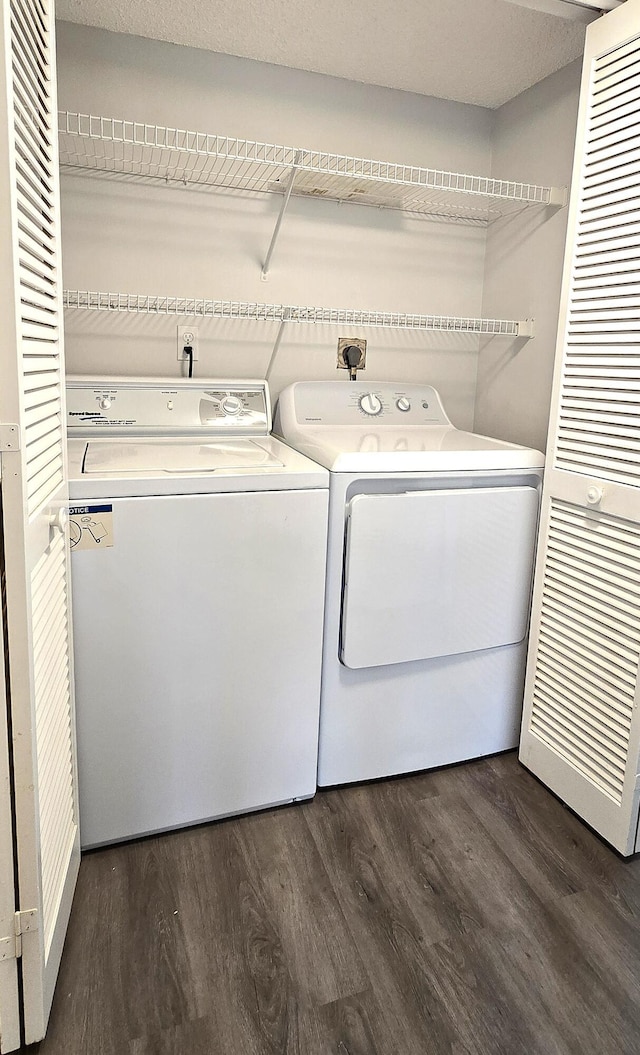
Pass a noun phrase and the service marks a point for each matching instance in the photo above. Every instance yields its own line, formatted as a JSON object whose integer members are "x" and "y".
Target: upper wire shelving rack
{"x": 136, "y": 149}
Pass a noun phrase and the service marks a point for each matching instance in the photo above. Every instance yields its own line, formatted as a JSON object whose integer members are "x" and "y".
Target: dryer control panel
{"x": 150, "y": 406}
{"x": 338, "y": 404}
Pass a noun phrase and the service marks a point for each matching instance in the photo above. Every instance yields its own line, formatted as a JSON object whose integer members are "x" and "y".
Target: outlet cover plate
{"x": 187, "y": 335}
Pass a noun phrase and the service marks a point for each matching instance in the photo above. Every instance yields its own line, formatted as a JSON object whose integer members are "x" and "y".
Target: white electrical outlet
{"x": 187, "y": 337}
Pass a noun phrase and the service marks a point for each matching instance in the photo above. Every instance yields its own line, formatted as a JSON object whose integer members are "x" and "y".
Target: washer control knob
{"x": 594, "y": 494}
{"x": 104, "y": 403}
{"x": 403, "y": 404}
{"x": 231, "y": 405}
{"x": 370, "y": 403}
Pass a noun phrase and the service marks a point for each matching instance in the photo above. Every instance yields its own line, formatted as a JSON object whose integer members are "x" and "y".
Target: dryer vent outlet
{"x": 344, "y": 363}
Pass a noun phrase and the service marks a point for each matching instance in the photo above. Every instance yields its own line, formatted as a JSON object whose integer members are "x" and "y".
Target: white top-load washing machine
{"x": 198, "y": 567}
{"x": 430, "y": 556}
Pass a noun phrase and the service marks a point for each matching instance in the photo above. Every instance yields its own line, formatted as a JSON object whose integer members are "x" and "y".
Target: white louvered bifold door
{"x": 36, "y": 561}
{"x": 581, "y": 727}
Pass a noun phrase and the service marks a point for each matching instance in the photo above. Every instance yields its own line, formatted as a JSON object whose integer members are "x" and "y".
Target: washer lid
{"x": 103, "y": 458}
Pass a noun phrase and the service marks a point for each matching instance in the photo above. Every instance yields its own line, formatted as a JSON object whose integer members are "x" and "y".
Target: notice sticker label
{"x": 91, "y": 526}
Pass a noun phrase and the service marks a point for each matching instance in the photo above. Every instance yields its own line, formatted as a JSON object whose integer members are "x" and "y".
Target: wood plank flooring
{"x": 458, "y": 912}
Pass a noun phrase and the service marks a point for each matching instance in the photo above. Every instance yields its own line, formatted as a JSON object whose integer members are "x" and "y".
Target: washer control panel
{"x": 338, "y": 404}
{"x": 141, "y": 406}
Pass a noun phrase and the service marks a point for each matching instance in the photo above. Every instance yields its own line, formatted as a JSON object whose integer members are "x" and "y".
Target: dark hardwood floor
{"x": 463, "y": 911}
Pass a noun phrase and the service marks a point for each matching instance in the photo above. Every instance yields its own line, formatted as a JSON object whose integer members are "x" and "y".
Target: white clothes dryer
{"x": 430, "y": 555}
{"x": 198, "y": 568}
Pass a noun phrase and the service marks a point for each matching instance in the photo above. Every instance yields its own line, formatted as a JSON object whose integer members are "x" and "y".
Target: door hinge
{"x": 9, "y": 437}
{"x": 11, "y": 947}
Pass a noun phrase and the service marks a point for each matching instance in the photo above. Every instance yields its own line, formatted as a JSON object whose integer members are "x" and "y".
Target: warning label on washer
{"x": 91, "y": 526}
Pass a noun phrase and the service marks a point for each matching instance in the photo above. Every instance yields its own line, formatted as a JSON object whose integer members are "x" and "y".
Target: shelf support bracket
{"x": 283, "y": 208}
{"x": 283, "y": 322}
{"x": 558, "y": 196}
{"x": 526, "y": 328}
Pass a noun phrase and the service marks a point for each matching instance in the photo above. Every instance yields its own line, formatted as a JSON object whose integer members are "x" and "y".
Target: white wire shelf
{"x": 132, "y": 148}
{"x": 288, "y": 313}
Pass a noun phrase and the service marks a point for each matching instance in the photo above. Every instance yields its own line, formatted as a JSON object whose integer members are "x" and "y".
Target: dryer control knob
{"x": 230, "y": 405}
{"x": 104, "y": 403}
{"x": 370, "y": 403}
{"x": 403, "y": 403}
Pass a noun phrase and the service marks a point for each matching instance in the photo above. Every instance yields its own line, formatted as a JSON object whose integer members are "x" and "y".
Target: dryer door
{"x": 434, "y": 573}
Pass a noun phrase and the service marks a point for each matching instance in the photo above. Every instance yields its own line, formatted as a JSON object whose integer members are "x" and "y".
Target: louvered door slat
{"x": 596, "y": 662}
{"x": 40, "y": 163}
{"x": 33, "y": 193}
{"x": 611, "y": 569}
{"x": 35, "y": 364}
{"x": 613, "y": 57}
{"x": 38, "y": 331}
{"x": 36, "y": 187}
{"x": 41, "y": 414}
{"x": 571, "y": 568}
{"x": 34, "y": 228}
{"x": 606, "y": 208}
{"x": 32, "y": 274}
{"x": 33, "y": 202}
{"x": 27, "y": 98}
{"x": 36, "y": 308}
{"x": 587, "y": 414}
{"x": 35, "y": 256}
{"x": 581, "y": 731}
{"x": 35, "y": 266}
{"x": 42, "y": 428}
{"x": 613, "y": 68}
{"x": 619, "y": 86}
{"x": 33, "y": 141}
{"x": 29, "y": 56}
{"x": 46, "y": 459}
{"x": 571, "y": 594}
{"x": 611, "y": 139}
{"x": 32, "y": 18}
{"x": 613, "y": 170}
{"x": 603, "y": 242}
{"x": 586, "y": 429}
{"x": 613, "y": 93}
{"x": 611, "y": 446}
{"x": 43, "y": 604}
{"x": 570, "y": 679}
{"x": 33, "y": 29}
{"x": 592, "y": 734}
{"x": 622, "y": 117}
{"x": 623, "y": 296}
{"x": 43, "y": 394}
{"x": 587, "y": 628}
{"x": 35, "y": 220}
{"x": 610, "y": 399}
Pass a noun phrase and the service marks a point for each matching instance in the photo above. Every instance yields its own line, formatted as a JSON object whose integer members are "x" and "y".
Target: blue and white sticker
{"x": 91, "y": 526}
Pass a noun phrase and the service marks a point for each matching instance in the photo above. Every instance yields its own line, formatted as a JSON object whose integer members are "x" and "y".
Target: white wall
{"x": 138, "y": 238}
{"x": 534, "y": 134}
{"x": 142, "y": 238}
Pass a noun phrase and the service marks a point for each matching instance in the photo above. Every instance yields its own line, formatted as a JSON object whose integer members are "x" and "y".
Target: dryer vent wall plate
{"x": 351, "y": 342}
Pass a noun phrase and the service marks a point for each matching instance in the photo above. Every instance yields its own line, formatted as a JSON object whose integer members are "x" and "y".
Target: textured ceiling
{"x": 474, "y": 51}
